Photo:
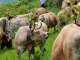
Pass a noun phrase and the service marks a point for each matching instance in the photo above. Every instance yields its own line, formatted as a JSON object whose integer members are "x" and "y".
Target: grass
{"x": 10, "y": 54}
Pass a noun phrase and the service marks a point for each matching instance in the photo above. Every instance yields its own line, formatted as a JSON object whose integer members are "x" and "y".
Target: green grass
{"x": 10, "y": 54}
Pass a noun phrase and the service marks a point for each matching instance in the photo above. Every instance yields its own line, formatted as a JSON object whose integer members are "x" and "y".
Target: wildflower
{"x": 77, "y": 13}
{"x": 68, "y": 3}
{"x": 72, "y": 15}
{"x": 35, "y": 18}
{"x": 29, "y": 20}
{"x": 76, "y": 2}
{"x": 75, "y": 6}
{"x": 69, "y": 15}
{"x": 35, "y": 8}
{"x": 63, "y": 15}
{"x": 32, "y": 26}
{"x": 73, "y": 10}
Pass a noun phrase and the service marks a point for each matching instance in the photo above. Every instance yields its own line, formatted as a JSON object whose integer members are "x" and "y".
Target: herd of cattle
{"x": 65, "y": 47}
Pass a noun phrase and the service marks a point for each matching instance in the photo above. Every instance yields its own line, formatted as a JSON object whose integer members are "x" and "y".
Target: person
{"x": 42, "y": 3}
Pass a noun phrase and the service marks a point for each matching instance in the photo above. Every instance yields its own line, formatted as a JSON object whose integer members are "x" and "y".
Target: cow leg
{"x": 19, "y": 54}
{"x": 31, "y": 56}
{"x": 42, "y": 48}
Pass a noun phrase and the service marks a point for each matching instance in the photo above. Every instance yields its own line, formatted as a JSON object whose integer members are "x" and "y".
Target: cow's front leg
{"x": 42, "y": 48}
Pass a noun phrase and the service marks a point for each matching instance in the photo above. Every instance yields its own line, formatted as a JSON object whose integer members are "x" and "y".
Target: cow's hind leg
{"x": 19, "y": 54}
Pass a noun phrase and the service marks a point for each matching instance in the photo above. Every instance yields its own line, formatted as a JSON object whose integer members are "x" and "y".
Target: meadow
{"x": 11, "y": 54}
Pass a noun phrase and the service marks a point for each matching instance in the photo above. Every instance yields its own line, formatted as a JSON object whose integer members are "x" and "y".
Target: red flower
{"x": 35, "y": 18}
{"x": 69, "y": 3}
{"x": 72, "y": 10}
{"x": 68, "y": 15}
{"x": 75, "y": 3}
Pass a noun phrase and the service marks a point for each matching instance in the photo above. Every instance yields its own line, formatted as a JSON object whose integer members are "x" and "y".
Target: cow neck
{"x": 30, "y": 45}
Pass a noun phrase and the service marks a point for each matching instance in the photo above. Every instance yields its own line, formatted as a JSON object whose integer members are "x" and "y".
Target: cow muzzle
{"x": 47, "y": 35}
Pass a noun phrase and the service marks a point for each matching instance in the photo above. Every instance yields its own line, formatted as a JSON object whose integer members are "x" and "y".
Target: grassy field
{"x": 10, "y": 54}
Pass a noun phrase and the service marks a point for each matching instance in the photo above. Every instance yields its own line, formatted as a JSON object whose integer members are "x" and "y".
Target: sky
{"x": 6, "y": 1}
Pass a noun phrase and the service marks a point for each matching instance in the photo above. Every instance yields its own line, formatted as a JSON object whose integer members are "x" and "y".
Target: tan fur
{"x": 24, "y": 15}
{"x": 1, "y": 22}
{"x": 41, "y": 10}
{"x": 2, "y": 35}
{"x": 67, "y": 44}
{"x": 64, "y": 4}
{"x": 50, "y": 19}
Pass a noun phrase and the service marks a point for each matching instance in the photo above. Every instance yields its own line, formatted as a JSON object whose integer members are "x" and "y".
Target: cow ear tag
{"x": 29, "y": 33}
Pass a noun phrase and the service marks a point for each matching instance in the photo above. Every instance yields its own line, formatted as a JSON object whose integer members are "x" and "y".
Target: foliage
{"x": 53, "y": 3}
{"x": 16, "y": 8}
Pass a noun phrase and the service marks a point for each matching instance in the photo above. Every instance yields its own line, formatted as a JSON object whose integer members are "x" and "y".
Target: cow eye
{"x": 38, "y": 32}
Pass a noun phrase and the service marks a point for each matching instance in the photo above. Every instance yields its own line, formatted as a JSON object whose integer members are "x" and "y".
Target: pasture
{"x": 11, "y": 54}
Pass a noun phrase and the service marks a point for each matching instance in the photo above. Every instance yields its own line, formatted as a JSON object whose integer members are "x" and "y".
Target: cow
{"x": 15, "y": 23}
{"x": 38, "y": 12}
{"x": 65, "y": 4}
{"x": 67, "y": 44}
{"x": 3, "y": 22}
{"x": 27, "y": 37}
{"x": 24, "y": 15}
{"x": 41, "y": 10}
{"x": 49, "y": 18}
{"x": 4, "y": 40}
{"x": 62, "y": 18}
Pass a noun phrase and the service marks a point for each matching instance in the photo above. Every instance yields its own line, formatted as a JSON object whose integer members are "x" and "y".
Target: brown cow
{"x": 49, "y": 18}
{"x": 29, "y": 38}
{"x": 67, "y": 44}
{"x": 41, "y": 10}
{"x": 65, "y": 4}
{"x": 4, "y": 41}
{"x": 3, "y": 22}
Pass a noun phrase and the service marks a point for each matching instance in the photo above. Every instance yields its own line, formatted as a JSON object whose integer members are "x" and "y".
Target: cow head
{"x": 42, "y": 18}
{"x": 6, "y": 42}
{"x": 78, "y": 22}
{"x": 38, "y": 34}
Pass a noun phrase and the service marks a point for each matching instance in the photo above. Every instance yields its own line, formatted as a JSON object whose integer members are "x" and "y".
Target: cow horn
{"x": 39, "y": 27}
{"x": 36, "y": 28}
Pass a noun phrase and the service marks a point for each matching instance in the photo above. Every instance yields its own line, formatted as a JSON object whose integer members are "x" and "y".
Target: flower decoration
{"x": 72, "y": 13}
{"x": 75, "y": 2}
{"x": 68, "y": 3}
{"x": 32, "y": 19}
